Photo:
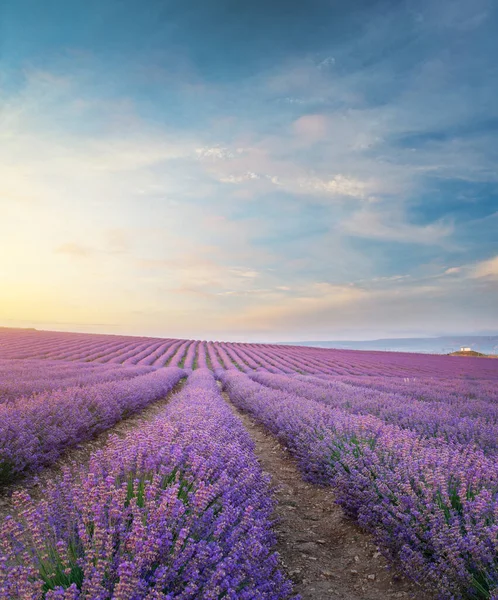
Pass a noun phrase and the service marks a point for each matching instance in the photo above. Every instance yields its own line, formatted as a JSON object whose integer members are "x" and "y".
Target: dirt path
{"x": 325, "y": 554}
{"x": 81, "y": 453}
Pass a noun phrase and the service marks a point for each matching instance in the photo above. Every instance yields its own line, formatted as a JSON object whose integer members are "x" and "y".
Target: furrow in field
{"x": 430, "y": 420}
{"x": 325, "y": 554}
{"x": 430, "y": 505}
{"x": 178, "y": 508}
{"x": 34, "y": 431}
{"x": 81, "y": 453}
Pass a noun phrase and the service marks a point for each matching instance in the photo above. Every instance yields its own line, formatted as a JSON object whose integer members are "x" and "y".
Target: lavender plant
{"x": 26, "y": 377}
{"x": 431, "y": 506}
{"x": 179, "y": 510}
{"x": 448, "y": 421}
{"x": 35, "y": 430}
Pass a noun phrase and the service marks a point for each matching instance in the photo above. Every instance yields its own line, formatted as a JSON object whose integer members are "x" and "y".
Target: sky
{"x": 249, "y": 171}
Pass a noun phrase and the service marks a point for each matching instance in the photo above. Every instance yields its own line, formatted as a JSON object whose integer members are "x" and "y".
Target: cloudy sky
{"x": 281, "y": 170}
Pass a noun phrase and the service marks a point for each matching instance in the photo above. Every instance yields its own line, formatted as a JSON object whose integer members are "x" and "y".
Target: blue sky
{"x": 249, "y": 171}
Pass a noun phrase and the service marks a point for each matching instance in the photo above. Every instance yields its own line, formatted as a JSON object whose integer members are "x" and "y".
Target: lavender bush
{"x": 431, "y": 506}
{"x": 26, "y": 377}
{"x": 19, "y": 344}
{"x": 448, "y": 421}
{"x": 35, "y": 430}
{"x": 179, "y": 510}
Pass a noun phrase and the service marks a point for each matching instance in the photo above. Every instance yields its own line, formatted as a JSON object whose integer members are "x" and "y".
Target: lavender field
{"x": 181, "y": 508}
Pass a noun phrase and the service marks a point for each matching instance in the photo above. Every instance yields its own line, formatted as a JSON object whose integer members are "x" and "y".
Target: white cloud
{"x": 392, "y": 226}
{"x": 275, "y": 180}
{"x": 71, "y": 184}
{"x": 240, "y": 178}
{"x": 292, "y": 177}
{"x": 339, "y": 185}
{"x": 216, "y": 153}
{"x": 486, "y": 269}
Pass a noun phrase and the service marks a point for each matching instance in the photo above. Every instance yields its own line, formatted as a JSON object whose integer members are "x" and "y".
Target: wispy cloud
{"x": 271, "y": 191}
{"x": 248, "y": 176}
{"x": 216, "y": 153}
{"x": 339, "y": 185}
{"x": 388, "y": 226}
{"x": 486, "y": 269}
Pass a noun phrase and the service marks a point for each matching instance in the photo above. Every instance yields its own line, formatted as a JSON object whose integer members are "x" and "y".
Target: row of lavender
{"x": 36, "y": 429}
{"x": 441, "y": 412}
{"x": 179, "y": 510}
{"x": 431, "y": 503}
{"x": 191, "y": 354}
{"x": 408, "y": 458}
{"x": 469, "y": 422}
{"x": 27, "y": 377}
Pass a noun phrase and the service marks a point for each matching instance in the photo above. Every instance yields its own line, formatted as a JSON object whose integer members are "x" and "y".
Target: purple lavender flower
{"x": 179, "y": 509}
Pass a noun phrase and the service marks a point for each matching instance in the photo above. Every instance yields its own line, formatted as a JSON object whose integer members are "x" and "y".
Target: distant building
{"x": 465, "y": 349}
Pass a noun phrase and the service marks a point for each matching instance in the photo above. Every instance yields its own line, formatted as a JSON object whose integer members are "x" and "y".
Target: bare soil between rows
{"x": 80, "y": 454}
{"x": 323, "y": 552}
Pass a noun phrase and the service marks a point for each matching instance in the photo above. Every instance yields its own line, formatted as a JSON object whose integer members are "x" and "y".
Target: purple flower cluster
{"x": 430, "y": 389}
{"x": 242, "y": 358}
{"x": 409, "y": 443}
{"x": 163, "y": 360}
{"x": 190, "y": 356}
{"x": 449, "y": 421}
{"x": 151, "y": 358}
{"x": 236, "y": 361}
{"x": 98, "y": 353}
{"x": 179, "y": 510}
{"x": 157, "y": 352}
{"x": 179, "y": 355}
{"x": 26, "y": 377}
{"x": 226, "y": 358}
{"x": 361, "y": 363}
{"x": 213, "y": 357}
{"x": 145, "y": 352}
{"x": 201, "y": 356}
{"x": 132, "y": 350}
{"x": 432, "y": 506}
{"x": 35, "y": 430}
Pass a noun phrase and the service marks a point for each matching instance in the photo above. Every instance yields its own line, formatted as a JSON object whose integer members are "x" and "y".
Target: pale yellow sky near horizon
{"x": 142, "y": 229}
